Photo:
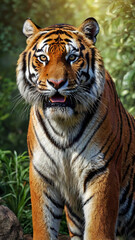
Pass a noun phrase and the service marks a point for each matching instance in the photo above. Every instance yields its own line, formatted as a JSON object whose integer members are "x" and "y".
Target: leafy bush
{"x": 63, "y": 225}
{"x": 13, "y": 119}
{"x": 116, "y": 41}
{"x": 14, "y": 186}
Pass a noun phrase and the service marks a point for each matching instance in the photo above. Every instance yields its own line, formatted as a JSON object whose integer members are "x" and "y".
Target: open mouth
{"x": 59, "y": 101}
{"x": 57, "y": 98}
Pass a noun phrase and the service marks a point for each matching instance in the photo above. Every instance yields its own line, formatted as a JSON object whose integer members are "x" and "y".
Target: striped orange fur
{"x": 80, "y": 137}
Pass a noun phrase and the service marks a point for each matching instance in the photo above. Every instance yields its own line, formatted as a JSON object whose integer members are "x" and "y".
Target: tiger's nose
{"x": 57, "y": 83}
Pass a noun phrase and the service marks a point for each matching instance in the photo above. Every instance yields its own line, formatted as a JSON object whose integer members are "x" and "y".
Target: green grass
{"x": 14, "y": 186}
{"x": 63, "y": 226}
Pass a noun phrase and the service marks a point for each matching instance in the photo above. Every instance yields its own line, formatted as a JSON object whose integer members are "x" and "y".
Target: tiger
{"x": 80, "y": 137}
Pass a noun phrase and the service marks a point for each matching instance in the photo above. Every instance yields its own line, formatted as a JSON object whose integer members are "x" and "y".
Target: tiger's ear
{"x": 30, "y": 28}
{"x": 90, "y": 28}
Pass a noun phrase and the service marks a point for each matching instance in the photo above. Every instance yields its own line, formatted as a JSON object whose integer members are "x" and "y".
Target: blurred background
{"x": 115, "y": 43}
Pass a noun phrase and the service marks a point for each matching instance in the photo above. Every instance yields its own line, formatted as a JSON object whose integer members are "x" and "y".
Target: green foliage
{"x": 117, "y": 47}
{"x": 13, "y": 124}
{"x": 63, "y": 225}
{"x": 14, "y": 186}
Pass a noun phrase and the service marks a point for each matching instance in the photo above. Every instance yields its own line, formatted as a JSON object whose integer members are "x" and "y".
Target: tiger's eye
{"x": 72, "y": 57}
{"x": 42, "y": 58}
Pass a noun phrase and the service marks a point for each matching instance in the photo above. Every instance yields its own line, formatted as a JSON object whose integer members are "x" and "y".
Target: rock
{"x": 10, "y": 228}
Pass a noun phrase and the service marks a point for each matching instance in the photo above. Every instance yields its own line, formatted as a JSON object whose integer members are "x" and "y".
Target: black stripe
{"x": 53, "y": 129}
{"x": 88, "y": 200}
{"x": 41, "y": 34}
{"x": 81, "y": 66}
{"x": 58, "y": 32}
{"x": 101, "y": 149}
{"x": 96, "y": 129}
{"x": 49, "y": 34}
{"x": 46, "y": 132}
{"x": 27, "y": 83}
{"x": 47, "y": 40}
{"x": 133, "y": 121}
{"x": 121, "y": 230}
{"x": 82, "y": 47}
{"x": 80, "y": 227}
{"x": 130, "y": 221}
{"x": 120, "y": 151}
{"x": 111, "y": 134}
{"x": 35, "y": 47}
{"x": 93, "y": 60}
{"x": 130, "y": 136}
{"x": 46, "y": 179}
{"x": 76, "y": 217}
{"x": 56, "y": 216}
{"x": 130, "y": 131}
{"x": 133, "y": 160}
{"x": 24, "y": 62}
{"x": 34, "y": 66}
{"x": 54, "y": 230}
{"x": 44, "y": 150}
{"x": 64, "y": 32}
{"x": 67, "y": 40}
{"x": 134, "y": 183}
{"x": 29, "y": 57}
{"x": 126, "y": 172}
{"x": 88, "y": 66}
{"x": 105, "y": 153}
{"x": 113, "y": 90}
{"x": 42, "y": 48}
{"x": 86, "y": 75}
{"x": 126, "y": 209}
{"x": 109, "y": 82}
{"x": 61, "y": 26}
{"x": 74, "y": 233}
{"x": 133, "y": 233}
{"x": 131, "y": 229}
{"x": 93, "y": 174}
{"x": 57, "y": 204}
{"x": 31, "y": 75}
{"x": 124, "y": 196}
{"x": 84, "y": 125}
{"x": 121, "y": 121}
{"x": 43, "y": 85}
{"x": 24, "y": 69}
{"x": 119, "y": 125}
{"x": 74, "y": 48}
{"x": 99, "y": 171}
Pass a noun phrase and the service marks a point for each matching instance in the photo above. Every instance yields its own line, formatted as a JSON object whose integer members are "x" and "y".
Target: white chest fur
{"x": 64, "y": 163}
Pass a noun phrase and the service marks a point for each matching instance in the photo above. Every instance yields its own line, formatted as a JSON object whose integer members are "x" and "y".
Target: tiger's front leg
{"x": 47, "y": 207}
{"x": 100, "y": 204}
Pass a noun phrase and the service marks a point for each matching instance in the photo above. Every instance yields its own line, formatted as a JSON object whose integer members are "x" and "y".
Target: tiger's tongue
{"x": 58, "y": 99}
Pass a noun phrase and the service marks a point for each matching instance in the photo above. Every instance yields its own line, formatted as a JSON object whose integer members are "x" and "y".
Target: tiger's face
{"x": 60, "y": 69}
